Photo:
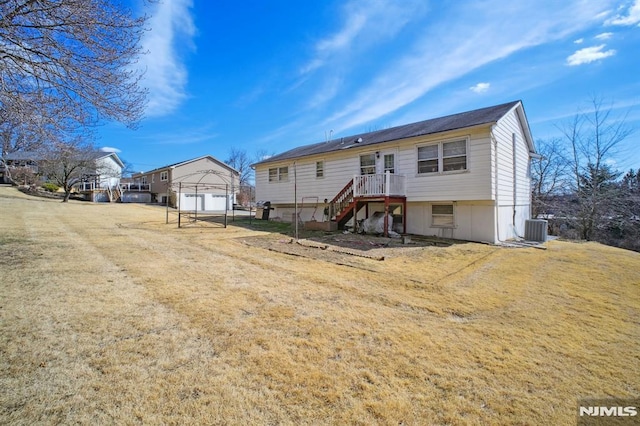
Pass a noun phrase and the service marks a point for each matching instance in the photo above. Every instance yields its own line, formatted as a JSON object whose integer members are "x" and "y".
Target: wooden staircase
{"x": 342, "y": 207}
{"x": 361, "y": 190}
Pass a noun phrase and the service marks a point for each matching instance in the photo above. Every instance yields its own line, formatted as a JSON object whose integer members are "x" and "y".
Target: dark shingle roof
{"x": 436, "y": 125}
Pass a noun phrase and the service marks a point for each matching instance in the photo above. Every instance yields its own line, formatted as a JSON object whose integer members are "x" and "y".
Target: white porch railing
{"x": 140, "y": 187}
{"x": 387, "y": 184}
{"x": 89, "y": 186}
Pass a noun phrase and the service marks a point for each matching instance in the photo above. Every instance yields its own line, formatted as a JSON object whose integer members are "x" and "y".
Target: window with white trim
{"x": 319, "y": 169}
{"x": 442, "y": 215}
{"x": 444, "y": 156}
{"x": 368, "y": 164}
{"x": 164, "y": 176}
{"x": 278, "y": 174}
{"x": 144, "y": 180}
{"x": 389, "y": 163}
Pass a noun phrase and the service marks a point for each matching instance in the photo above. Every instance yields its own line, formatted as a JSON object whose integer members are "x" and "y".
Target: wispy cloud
{"x": 628, "y": 16}
{"x": 171, "y": 30}
{"x": 109, "y": 149}
{"x": 480, "y": 87}
{"x": 588, "y": 55}
{"x": 579, "y": 41}
{"x": 451, "y": 49}
{"x": 363, "y": 23}
{"x": 604, "y": 36}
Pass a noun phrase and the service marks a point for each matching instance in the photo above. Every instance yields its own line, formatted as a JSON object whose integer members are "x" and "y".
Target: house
{"x": 202, "y": 184}
{"x": 463, "y": 176}
{"x": 100, "y": 181}
{"x": 13, "y": 163}
{"x": 97, "y": 178}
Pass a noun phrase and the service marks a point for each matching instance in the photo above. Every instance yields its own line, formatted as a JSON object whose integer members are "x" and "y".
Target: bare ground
{"x": 109, "y": 315}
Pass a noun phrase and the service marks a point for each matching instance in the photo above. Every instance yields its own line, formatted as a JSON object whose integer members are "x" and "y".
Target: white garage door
{"x": 192, "y": 202}
{"x": 203, "y": 202}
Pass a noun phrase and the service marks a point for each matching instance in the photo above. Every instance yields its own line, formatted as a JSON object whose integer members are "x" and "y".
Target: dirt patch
{"x": 347, "y": 248}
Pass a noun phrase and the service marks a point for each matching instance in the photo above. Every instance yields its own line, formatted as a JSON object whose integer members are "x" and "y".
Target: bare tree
{"x": 239, "y": 160}
{"x": 68, "y": 163}
{"x": 68, "y": 64}
{"x": 592, "y": 139}
{"x": 549, "y": 176}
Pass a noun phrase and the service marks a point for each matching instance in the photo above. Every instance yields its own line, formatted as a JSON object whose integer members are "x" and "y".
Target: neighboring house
{"x": 101, "y": 181}
{"x": 98, "y": 180}
{"x": 16, "y": 161}
{"x": 463, "y": 176}
{"x": 202, "y": 184}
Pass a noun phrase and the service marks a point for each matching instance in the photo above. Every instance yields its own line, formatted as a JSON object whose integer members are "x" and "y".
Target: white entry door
{"x": 386, "y": 162}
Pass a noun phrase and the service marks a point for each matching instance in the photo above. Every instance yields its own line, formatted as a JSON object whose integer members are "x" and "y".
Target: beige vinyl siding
{"x": 341, "y": 166}
{"x": 504, "y": 135}
{"x": 471, "y": 184}
{"x": 503, "y": 132}
{"x": 474, "y": 220}
{"x": 338, "y": 171}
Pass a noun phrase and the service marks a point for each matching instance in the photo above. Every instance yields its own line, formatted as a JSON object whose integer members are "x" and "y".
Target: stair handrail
{"x": 341, "y": 200}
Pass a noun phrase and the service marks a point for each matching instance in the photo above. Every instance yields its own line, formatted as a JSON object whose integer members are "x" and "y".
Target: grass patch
{"x": 112, "y": 316}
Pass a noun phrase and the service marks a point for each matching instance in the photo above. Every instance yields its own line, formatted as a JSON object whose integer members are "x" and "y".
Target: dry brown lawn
{"x": 109, "y": 315}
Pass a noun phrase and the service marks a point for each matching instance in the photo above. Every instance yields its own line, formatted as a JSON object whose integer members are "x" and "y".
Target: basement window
{"x": 442, "y": 216}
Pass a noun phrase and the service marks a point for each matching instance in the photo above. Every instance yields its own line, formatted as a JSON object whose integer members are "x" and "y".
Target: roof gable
{"x": 182, "y": 163}
{"x": 483, "y": 116}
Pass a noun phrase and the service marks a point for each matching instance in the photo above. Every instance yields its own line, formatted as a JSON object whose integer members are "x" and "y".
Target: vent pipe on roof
{"x": 328, "y": 139}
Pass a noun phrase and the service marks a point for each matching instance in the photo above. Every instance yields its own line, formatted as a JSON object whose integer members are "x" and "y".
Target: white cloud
{"x": 450, "y": 49}
{"x": 171, "y": 30}
{"x": 628, "y": 17}
{"x": 588, "y": 55}
{"x": 480, "y": 87}
{"x": 604, "y": 36}
{"x": 579, "y": 41}
{"x": 363, "y": 23}
{"x": 109, "y": 149}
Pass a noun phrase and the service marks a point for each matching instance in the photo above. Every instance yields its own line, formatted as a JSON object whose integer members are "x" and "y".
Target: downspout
{"x": 515, "y": 182}
{"x": 295, "y": 197}
{"x": 495, "y": 184}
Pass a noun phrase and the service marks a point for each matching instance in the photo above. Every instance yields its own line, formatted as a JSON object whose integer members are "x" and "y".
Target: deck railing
{"x": 136, "y": 187}
{"x": 387, "y": 184}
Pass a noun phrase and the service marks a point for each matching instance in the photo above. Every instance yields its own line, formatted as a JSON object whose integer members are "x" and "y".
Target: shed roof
{"x": 462, "y": 120}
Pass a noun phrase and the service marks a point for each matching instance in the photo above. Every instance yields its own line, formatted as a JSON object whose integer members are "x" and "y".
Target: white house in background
{"x": 463, "y": 176}
{"x": 101, "y": 181}
{"x": 202, "y": 184}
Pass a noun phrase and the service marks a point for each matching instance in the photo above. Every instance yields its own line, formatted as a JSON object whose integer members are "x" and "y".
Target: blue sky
{"x": 267, "y": 76}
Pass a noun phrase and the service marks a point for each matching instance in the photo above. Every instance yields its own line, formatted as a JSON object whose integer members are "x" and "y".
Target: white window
{"x": 319, "y": 169}
{"x": 144, "y": 180}
{"x": 428, "y": 159}
{"x": 368, "y": 164}
{"x": 454, "y": 155}
{"x": 278, "y": 174}
{"x": 442, "y": 215}
{"x": 164, "y": 176}
{"x": 446, "y": 156}
{"x": 153, "y": 178}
